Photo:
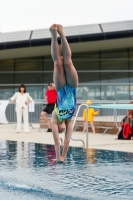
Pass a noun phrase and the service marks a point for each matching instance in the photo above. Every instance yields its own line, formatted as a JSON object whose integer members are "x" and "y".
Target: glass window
{"x": 113, "y": 92}
{"x": 131, "y": 92}
{"x": 114, "y": 53}
{"x": 89, "y": 82}
{"x": 114, "y": 64}
{"x": 29, "y": 64}
{"x": 35, "y": 92}
{"x": 114, "y": 77}
{"x": 114, "y": 59}
{"x": 131, "y": 77}
{"x": 48, "y": 63}
{"x": 6, "y": 65}
{"x": 48, "y": 77}
{"x": 86, "y": 60}
{"x": 131, "y": 53}
{"x": 6, "y": 78}
{"x": 89, "y": 77}
{"x": 88, "y": 92}
{"x": 131, "y": 58}
{"x": 27, "y": 78}
{"x": 6, "y": 92}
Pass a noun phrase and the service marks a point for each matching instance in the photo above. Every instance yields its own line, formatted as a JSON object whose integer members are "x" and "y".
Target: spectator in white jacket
{"x": 22, "y": 99}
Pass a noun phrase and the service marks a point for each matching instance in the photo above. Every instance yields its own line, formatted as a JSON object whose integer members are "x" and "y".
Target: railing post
{"x": 115, "y": 116}
{"x": 87, "y": 133}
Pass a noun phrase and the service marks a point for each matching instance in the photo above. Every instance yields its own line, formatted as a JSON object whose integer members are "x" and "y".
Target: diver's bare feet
{"x": 60, "y": 30}
{"x": 53, "y": 30}
{"x": 54, "y": 160}
{"x": 61, "y": 161}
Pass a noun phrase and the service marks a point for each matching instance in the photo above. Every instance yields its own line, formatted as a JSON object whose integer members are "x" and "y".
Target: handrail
{"x": 86, "y": 126}
{"x": 87, "y": 132}
{"x": 105, "y": 127}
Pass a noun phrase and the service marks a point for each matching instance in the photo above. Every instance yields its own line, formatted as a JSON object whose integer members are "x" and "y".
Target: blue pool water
{"x": 27, "y": 172}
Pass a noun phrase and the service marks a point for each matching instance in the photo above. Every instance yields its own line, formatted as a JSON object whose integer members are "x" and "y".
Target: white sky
{"x": 18, "y": 15}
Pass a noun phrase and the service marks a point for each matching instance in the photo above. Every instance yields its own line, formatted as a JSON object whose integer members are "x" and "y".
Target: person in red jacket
{"x": 50, "y": 97}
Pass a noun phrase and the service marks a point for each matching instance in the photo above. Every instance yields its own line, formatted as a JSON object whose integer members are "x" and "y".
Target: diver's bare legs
{"x": 68, "y": 133}
{"x": 54, "y": 122}
{"x": 58, "y": 76}
{"x": 70, "y": 71}
{"x": 64, "y": 72}
{"x": 67, "y": 139}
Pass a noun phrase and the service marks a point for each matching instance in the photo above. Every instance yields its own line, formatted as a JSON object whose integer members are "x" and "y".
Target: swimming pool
{"x": 27, "y": 172}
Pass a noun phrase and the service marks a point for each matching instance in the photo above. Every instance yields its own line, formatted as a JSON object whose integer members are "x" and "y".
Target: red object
{"x": 126, "y": 131}
{"x": 51, "y": 96}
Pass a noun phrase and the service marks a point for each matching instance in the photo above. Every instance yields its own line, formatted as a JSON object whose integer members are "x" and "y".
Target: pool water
{"x": 27, "y": 172}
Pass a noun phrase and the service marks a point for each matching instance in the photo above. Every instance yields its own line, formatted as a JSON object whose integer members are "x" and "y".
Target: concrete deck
{"x": 96, "y": 141}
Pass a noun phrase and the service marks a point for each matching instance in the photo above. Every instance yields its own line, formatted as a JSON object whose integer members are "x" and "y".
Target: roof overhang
{"x": 75, "y": 47}
{"x": 81, "y": 38}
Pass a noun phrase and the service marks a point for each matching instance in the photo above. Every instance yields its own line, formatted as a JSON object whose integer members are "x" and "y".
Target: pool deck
{"x": 96, "y": 141}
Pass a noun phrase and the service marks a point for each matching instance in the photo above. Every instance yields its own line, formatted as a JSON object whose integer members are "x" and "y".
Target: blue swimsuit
{"x": 66, "y": 103}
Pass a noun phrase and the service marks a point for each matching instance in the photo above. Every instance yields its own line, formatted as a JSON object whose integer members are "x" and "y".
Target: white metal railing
{"x": 115, "y": 108}
{"x": 106, "y": 115}
{"x": 40, "y": 104}
{"x": 107, "y": 118}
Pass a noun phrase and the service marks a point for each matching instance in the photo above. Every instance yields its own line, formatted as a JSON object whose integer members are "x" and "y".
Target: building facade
{"x": 102, "y": 56}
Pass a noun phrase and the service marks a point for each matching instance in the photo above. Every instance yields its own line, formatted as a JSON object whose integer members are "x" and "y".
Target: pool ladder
{"x": 87, "y": 132}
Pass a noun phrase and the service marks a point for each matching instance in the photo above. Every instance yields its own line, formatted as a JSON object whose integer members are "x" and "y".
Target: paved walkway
{"x": 96, "y": 141}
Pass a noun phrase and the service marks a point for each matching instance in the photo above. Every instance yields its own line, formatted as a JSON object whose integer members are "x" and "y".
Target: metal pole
{"x": 115, "y": 117}
{"x": 77, "y": 115}
{"x": 87, "y": 132}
